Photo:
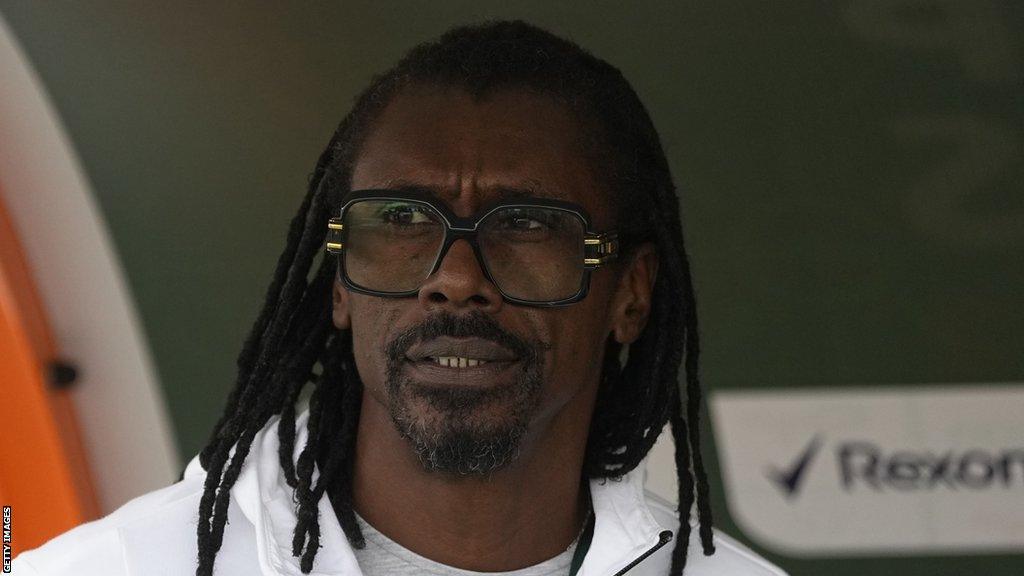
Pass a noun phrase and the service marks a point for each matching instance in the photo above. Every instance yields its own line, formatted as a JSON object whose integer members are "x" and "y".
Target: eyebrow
{"x": 528, "y": 188}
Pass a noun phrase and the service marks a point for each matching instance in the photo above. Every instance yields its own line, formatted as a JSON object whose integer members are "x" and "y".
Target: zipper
{"x": 663, "y": 538}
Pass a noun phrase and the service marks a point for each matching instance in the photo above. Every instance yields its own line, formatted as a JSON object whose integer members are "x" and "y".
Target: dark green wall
{"x": 851, "y": 174}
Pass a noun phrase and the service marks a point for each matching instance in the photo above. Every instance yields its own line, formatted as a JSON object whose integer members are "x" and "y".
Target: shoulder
{"x": 152, "y": 534}
{"x": 730, "y": 558}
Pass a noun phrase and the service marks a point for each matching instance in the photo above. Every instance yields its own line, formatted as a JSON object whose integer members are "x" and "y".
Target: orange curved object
{"x": 44, "y": 476}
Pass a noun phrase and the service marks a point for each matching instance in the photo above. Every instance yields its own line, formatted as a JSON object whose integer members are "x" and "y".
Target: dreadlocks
{"x": 294, "y": 343}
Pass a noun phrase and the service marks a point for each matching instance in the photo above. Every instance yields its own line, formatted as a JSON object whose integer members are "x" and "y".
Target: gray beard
{"x": 457, "y": 438}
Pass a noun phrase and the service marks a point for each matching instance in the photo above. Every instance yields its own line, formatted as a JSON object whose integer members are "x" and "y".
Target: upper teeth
{"x": 457, "y": 361}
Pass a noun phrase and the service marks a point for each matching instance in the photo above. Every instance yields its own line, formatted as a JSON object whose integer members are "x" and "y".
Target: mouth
{"x": 445, "y": 361}
{"x": 456, "y": 361}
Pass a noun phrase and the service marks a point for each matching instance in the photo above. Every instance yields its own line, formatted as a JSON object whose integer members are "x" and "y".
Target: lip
{"x": 476, "y": 348}
{"x": 492, "y": 373}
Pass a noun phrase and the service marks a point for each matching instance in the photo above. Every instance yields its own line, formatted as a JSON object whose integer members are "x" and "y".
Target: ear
{"x": 340, "y": 315}
{"x": 631, "y": 305}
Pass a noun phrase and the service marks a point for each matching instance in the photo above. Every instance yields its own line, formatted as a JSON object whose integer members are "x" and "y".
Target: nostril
{"x": 437, "y": 298}
{"x": 478, "y": 299}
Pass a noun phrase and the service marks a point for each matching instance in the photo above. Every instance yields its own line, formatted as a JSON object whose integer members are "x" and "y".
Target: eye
{"x": 404, "y": 215}
{"x": 525, "y": 220}
{"x": 524, "y": 223}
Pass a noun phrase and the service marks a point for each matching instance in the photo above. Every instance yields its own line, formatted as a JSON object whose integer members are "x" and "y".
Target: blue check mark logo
{"x": 788, "y": 479}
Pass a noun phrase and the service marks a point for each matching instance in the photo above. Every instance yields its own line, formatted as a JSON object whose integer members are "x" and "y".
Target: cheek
{"x": 369, "y": 317}
{"x": 578, "y": 349}
{"x": 584, "y": 330}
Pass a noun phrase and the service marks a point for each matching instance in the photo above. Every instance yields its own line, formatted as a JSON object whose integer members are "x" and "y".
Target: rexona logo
{"x": 910, "y": 470}
{"x": 866, "y": 464}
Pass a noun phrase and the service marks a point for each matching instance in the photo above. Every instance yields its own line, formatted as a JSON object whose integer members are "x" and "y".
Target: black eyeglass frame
{"x": 599, "y": 248}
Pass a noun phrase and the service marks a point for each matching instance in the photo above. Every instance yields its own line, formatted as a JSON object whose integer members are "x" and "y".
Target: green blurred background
{"x": 851, "y": 175}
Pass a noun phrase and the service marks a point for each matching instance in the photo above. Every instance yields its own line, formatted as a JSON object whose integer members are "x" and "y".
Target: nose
{"x": 459, "y": 282}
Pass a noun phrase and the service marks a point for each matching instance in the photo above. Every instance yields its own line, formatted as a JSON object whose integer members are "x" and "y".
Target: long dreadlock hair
{"x": 294, "y": 342}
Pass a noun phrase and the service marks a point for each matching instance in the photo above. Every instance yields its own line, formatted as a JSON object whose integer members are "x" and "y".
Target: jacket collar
{"x": 624, "y": 526}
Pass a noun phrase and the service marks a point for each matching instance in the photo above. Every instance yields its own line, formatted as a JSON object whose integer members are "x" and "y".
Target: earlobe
{"x": 340, "y": 315}
{"x": 632, "y": 304}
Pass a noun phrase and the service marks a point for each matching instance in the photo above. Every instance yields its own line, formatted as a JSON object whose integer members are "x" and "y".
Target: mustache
{"x": 474, "y": 324}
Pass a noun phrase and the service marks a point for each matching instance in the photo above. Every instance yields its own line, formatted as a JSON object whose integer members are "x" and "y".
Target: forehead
{"x": 470, "y": 152}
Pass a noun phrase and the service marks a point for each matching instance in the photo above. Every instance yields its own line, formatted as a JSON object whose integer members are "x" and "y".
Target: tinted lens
{"x": 534, "y": 253}
{"x": 390, "y": 245}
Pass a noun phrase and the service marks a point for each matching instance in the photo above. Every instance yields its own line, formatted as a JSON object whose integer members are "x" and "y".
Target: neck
{"x": 526, "y": 513}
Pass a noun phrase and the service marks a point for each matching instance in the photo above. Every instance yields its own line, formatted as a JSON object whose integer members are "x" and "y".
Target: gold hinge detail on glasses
{"x": 334, "y": 228}
{"x": 606, "y": 247}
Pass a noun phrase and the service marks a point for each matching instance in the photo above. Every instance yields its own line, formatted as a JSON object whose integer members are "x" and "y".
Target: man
{"x": 493, "y": 339}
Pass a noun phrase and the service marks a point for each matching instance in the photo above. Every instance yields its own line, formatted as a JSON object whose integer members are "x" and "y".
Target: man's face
{"x": 543, "y": 366}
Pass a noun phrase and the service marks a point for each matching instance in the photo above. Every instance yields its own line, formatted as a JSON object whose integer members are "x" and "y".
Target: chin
{"x": 460, "y": 432}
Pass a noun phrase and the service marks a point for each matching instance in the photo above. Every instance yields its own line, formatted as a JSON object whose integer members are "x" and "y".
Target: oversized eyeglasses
{"x": 536, "y": 252}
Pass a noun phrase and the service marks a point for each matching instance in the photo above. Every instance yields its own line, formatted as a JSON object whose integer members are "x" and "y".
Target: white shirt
{"x": 382, "y": 556}
{"x": 155, "y": 534}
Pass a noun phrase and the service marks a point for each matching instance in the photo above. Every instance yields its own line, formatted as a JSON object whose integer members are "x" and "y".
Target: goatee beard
{"x": 457, "y": 437}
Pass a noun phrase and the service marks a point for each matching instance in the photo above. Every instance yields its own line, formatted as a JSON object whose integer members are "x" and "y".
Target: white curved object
{"x": 119, "y": 405}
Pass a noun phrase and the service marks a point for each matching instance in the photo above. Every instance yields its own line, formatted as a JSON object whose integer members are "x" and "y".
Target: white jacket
{"x": 155, "y": 534}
